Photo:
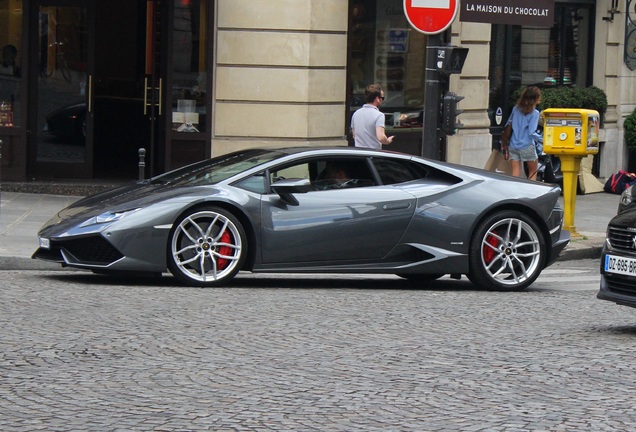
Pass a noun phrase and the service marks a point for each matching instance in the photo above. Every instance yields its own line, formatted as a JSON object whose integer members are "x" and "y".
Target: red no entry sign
{"x": 431, "y": 16}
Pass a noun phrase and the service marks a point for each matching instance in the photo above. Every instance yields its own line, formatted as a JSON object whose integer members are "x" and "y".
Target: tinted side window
{"x": 394, "y": 171}
{"x": 327, "y": 173}
{"x": 343, "y": 173}
{"x": 299, "y": 171}
{"x": 255, "y": 183}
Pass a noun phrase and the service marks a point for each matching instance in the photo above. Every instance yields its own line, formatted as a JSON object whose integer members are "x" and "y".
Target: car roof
{"x": 340, "y": 150}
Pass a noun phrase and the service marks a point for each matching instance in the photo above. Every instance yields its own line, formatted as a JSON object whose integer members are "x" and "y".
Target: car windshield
{"x": 217, "y": 169}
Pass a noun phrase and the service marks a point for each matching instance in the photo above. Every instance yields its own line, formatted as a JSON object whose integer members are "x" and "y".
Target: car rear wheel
{"x": 507, "y": 252}
{"x": 207, "y": 247}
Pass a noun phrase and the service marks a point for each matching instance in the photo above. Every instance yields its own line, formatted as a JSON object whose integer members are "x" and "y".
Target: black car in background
{"x": 618, "y": 259}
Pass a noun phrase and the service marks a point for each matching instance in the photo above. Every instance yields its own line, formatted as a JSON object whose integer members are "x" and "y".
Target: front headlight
{"x": 626, "y": 196}
{"x": 108, "y": 217}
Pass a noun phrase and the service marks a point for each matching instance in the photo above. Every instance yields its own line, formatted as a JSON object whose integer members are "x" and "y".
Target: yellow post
{"x": 570, "y": 134}
{"x": 570, "y": 166}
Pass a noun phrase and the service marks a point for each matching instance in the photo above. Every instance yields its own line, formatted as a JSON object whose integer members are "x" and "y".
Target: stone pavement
{"x": 358, "y": 354}
{"x": 22, "y": 215}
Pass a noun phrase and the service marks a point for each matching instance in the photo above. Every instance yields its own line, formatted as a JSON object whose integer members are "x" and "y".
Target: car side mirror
{"x": 286, "y": 188}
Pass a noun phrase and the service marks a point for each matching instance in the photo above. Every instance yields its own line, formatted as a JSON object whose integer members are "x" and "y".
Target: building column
{"x": 279, "y": 73}
{"x": 471, "y": 146}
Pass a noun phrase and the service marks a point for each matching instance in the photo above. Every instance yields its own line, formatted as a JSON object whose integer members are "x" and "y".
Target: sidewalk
{"x": 22, "y": 215}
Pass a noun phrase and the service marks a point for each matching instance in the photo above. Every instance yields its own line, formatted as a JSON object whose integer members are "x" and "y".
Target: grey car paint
{"x": 422, "y": 226}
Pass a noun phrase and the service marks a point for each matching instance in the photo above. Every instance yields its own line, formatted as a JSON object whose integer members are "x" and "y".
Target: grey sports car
{"x": 316, "y": 210}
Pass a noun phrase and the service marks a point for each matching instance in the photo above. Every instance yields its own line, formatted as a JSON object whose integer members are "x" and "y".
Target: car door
{"x": 345, "y": 224}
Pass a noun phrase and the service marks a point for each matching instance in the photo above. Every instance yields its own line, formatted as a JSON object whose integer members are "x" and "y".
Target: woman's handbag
{"x": 505, "y": 139}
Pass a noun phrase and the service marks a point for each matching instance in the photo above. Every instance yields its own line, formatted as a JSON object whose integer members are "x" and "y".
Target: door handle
{"x": 396, "y": 206}
{"x": 160, "y": 93}
{"x": 157, "y": 91}
{"x": 146, "y": 96}
{"x": 90, "y": 93}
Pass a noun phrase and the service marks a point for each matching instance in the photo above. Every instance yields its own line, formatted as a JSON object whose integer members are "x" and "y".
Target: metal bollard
{"x": 142, "y": 164}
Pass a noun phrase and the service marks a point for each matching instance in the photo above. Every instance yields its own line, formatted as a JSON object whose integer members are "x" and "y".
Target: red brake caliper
{"x": 489, "y": 252}
{"x": 224, "y": 250}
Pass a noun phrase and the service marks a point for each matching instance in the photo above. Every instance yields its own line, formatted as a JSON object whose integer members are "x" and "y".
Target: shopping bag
{"x": 497, "y": 163}
{"x": 619, "y": 181}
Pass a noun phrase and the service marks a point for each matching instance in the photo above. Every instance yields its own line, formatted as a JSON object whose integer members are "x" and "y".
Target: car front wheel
{"x": 206, "y": 247}
{"x": 507, "y": 252}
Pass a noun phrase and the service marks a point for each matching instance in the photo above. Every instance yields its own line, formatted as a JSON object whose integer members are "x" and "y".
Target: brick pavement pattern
{"x": 86, "y": 352}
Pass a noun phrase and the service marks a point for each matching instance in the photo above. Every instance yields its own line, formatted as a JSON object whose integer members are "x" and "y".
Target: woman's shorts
{"x": 526, "y": 154}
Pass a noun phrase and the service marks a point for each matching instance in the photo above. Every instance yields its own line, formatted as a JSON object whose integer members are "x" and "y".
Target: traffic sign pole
{"x": 431, "y": 139}
{"x": 432, "y": 17}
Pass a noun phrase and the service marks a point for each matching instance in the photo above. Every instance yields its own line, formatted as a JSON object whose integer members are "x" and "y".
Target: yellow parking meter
{"x": 570, "y": 134}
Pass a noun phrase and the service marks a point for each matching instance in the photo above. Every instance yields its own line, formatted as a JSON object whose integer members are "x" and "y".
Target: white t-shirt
{"x": 364, "y": 123}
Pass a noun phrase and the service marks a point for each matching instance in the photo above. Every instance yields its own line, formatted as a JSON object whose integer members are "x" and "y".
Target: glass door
{"x": 126, "y": 110}
{"x": 61, "y": 100}
{"x": 116, "y": 76}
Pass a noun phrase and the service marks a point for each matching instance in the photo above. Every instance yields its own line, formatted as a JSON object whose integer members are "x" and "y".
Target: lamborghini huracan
{"x": 315, "y": 210}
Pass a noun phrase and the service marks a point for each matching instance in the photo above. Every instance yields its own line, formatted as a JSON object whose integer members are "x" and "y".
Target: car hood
{"x": 626, "y": 219}
{"x": 130, "y": 197}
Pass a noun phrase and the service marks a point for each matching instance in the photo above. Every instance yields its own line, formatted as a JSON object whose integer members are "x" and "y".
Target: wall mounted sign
{"x": 537, "y": 13}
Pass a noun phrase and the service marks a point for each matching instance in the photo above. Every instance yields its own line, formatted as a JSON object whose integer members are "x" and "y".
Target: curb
{"x": 591, "y": 252}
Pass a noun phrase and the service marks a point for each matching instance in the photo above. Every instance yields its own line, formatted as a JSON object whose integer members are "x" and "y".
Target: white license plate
{"x": 45, "y": 243}
{"x": 620, "y": 265}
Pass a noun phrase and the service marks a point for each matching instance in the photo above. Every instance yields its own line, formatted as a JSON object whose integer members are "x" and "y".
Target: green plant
{"x": 629, "y": 128}
{"x": 571, "y": 97}
{"x": 594, "y": 98}
{"x": 559, "y": 97}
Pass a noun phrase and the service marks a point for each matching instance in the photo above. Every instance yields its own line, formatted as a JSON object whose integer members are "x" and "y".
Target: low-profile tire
{"x": 507, "y": 252}
{"x": 206, "y": 247}
{"x": 420, "y": 277}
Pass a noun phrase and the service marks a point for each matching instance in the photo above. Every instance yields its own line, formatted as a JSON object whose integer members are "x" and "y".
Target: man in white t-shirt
{"x": 367, "y": 123}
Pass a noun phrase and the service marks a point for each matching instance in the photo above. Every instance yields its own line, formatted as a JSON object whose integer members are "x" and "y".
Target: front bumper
{"x": 558, "y": 246}
{"x": 617, "y": 288}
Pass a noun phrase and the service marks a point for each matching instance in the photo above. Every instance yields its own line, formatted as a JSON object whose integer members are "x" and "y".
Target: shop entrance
{"x": 99, "y": 89}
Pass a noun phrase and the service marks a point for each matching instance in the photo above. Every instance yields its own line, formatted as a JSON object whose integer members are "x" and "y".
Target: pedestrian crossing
{"x": 580, "y": 275}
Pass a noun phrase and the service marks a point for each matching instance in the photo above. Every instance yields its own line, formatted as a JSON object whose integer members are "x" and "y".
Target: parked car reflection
{"x": 68, "y": 123}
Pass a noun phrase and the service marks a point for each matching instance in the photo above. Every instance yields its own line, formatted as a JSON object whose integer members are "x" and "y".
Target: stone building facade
{"x": 277, "y": 73}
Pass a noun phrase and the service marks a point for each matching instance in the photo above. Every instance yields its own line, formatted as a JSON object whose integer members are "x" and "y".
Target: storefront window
{"x": 61, "y": 87}
{"x": 384, "y": 49}
{"x": 10, "y": 70}
{"x": 545, "y": 57}
{"x": 190, "y": 66}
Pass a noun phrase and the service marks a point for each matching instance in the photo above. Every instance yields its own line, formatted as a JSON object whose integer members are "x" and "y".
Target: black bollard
{"x": 142, "y": 164}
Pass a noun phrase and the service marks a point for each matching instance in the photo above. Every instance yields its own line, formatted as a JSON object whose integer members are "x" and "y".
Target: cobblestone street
{"x": 81, "y": 352}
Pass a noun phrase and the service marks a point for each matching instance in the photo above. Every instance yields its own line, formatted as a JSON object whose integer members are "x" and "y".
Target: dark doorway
{"x": 121, "y": 125}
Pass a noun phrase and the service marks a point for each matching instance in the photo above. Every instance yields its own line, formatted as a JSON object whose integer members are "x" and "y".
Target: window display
{"x": 384, "y": 49}
{"x": 190, "y": 66}
{"x": 10, "y": 70}
{"x": 545, "y": 57}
